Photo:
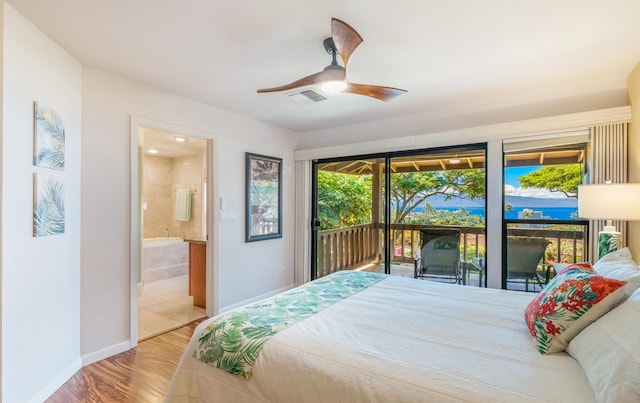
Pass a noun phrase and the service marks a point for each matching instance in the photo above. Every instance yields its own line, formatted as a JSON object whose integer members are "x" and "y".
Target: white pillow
{"x": 619, "y": 265}
{"x": 620, "y": 255}
{"x": 609, "y": 352}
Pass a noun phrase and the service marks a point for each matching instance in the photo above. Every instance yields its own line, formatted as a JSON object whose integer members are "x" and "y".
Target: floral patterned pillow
{"x": 571, "y": 301}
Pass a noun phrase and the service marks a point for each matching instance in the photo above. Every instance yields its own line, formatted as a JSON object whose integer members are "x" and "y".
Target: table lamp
{"x": 610, "y": 201}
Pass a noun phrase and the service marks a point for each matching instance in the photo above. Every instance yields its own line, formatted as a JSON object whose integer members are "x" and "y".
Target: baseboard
{"x": 105, "y": 353}
{"x": 256, "y": 299}
{"x": 125, "y": 345}
{"x": 55, "y": 384}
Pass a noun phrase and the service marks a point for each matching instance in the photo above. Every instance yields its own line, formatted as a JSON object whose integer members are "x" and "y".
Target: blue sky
{"x": 512, "y": 186}
{"x": 511, "y": 175}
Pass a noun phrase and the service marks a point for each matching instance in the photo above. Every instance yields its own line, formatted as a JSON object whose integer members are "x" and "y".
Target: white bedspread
{"x": 400, "y": 340}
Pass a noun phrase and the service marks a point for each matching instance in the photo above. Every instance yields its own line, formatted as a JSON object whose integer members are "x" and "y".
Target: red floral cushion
{"x": 571, "y": 301}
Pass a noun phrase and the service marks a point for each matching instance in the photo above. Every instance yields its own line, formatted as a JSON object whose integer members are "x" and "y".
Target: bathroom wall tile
{"x": 162, "y": 177}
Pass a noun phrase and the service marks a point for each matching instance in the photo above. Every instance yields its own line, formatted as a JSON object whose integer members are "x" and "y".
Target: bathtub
{"x": 161, "y": 241}
{"x": 164, "y": 257}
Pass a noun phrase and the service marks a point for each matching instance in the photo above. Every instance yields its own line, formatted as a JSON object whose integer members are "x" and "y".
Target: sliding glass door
{"x": 349, "y": 219}
{"x": 541, "y": 224}
{"x": 359, "y": 225}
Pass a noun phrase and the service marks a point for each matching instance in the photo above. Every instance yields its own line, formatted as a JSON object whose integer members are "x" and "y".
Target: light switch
{"x": 227, "y": 216}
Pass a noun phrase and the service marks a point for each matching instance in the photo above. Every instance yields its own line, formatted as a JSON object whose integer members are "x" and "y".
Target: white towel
{"x": 183, "y": 205}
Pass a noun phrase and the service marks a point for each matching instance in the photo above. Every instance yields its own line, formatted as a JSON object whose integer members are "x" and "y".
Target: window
{"x": 541, "y": 225}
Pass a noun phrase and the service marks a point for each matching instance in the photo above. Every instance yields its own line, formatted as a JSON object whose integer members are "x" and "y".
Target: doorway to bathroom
{"x": 172, "y": 206}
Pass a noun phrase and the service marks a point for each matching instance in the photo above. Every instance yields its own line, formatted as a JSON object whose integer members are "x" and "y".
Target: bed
{"x": 396, "y": 340}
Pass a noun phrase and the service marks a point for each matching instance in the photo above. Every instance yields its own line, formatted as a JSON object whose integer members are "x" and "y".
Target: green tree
{"x": 409, "y": 190}
{"x": 431, "y": 216}
{"x": 343, "y": 199}
{"x": 555, "y": 178}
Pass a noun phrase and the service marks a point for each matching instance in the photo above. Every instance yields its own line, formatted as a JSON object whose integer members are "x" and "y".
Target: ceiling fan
{"x": 343, "y": 41}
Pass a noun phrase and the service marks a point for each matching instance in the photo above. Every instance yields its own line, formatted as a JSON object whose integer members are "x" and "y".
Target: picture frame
{"x": 48, "y": 137}
{"x": 48, "y": 205}
{"x": 263, "y": 197}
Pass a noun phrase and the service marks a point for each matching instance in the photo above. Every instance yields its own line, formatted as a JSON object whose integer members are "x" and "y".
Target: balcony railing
{"x": 406, "y": 240}
{"x": 345, "y": 248}
{"x": 566, "y": 245}
{"x": 353, "y": 247}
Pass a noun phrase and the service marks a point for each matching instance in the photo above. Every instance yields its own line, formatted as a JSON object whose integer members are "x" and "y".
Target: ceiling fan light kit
{"x": 334, "y": 86}
{"x": 333, "y": 78}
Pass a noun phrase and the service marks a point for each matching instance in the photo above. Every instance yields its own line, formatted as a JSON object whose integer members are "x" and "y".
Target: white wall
{"x": 40, "y": 276}
{"x": 430, "y": 121}
{"x": 246, "y": 269}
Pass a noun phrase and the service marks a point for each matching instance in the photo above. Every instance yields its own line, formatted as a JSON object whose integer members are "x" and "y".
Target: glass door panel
{"x": 438, "y": 215}
{"x": 541, "y": 214}
{"x": 349, "y": 216}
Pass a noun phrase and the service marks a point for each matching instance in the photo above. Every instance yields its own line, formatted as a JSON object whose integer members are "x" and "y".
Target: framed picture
{"x": 48, "y": 137}
{"x": 263, "y": 197}
{"x": 48, "y": 205}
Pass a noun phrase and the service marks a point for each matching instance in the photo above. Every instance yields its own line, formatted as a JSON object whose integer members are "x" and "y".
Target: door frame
{"x": 212, "y": 267}
{"x": 314, "y": 207}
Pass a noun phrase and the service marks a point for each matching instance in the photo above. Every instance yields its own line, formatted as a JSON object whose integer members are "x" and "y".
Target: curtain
{"x": 302, "y": 241}
{"x": 608, "y": 162}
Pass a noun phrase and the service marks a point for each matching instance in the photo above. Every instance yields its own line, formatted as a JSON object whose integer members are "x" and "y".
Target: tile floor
{"x": 164, "y": 305}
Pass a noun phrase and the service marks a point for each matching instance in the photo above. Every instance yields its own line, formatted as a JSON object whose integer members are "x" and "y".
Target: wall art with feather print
{"x": 48, "y": 205}
{"x": 48, "y": 132}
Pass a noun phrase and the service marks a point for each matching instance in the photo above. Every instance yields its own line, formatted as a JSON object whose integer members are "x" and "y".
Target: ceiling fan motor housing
{"x": 330, "y": 46}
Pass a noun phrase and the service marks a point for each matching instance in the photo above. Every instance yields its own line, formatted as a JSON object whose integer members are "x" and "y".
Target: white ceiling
{"x": 456, "y": 58}
{"x": 171, "y": 145}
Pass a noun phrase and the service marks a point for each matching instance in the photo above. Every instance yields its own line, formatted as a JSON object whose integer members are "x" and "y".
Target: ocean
{"x": 552, "y": 213}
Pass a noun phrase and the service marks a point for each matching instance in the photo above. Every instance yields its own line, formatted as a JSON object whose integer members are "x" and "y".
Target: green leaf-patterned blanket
{"x": 233, "y": 340}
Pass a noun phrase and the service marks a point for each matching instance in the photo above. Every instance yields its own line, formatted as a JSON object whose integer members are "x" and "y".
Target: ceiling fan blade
{"x": 330, "y": 73}
{"x": 345, "y": 38}
{"x": 375, "y": 91}
{"x": 308, "y": 80}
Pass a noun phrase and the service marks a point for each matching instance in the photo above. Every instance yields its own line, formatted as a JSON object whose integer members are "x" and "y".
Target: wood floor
{"x": 140, "y": 375}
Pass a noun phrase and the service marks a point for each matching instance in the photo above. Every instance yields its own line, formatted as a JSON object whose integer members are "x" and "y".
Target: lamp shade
{"x": 615, "y": 201}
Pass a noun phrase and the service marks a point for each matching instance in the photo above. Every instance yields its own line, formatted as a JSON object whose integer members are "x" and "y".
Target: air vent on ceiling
{"x": 307, "y": 96}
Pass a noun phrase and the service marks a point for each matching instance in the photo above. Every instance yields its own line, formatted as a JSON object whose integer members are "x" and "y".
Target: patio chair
{"x": 439, "y": 255}
{"x": 523, "y": 258}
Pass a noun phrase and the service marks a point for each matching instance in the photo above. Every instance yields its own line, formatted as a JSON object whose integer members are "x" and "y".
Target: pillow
{"x": 620, "y": 265}
{"x": 572, "y": 300}
{"x": 620, "y": 255}
{"x": 609, "y": 353}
